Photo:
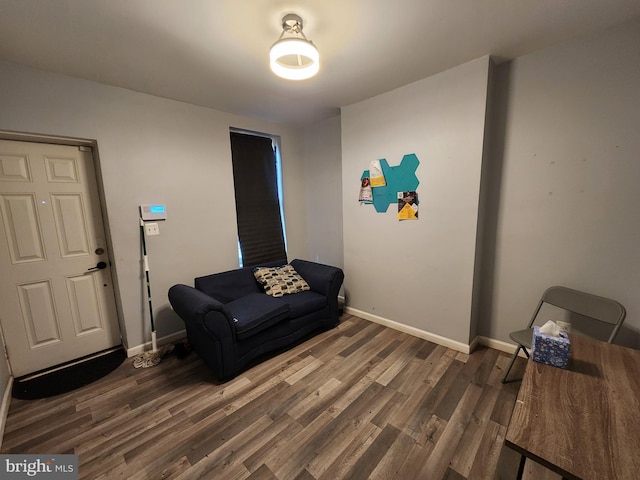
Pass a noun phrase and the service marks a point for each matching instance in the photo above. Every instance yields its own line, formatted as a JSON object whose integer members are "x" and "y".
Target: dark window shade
{"x": 257, "y": 204}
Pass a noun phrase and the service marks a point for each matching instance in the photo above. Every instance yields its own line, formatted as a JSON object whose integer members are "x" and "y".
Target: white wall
{"x": 566, "y": 170}
{"x": 418, "y": 273}
{"x": 155, "y": 150}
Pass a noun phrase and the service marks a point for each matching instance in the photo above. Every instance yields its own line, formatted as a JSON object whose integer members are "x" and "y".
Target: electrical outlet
{"x": 151, "y": 229}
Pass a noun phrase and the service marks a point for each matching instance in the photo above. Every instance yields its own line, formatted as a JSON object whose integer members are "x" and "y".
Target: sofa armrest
{"x": 323, "y": 279}
{"x": 200, "y": 312}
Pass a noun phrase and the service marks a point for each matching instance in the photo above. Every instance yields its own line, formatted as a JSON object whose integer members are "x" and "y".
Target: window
{"x": 257, "y": 179}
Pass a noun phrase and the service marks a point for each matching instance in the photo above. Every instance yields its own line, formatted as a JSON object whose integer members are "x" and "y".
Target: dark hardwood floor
{"x": 360, "y": 401}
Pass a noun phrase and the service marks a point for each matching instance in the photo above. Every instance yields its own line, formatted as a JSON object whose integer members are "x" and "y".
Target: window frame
{"x": 275, "y": 143}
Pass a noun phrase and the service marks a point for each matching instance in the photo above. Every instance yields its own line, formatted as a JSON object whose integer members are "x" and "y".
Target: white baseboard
{"x": 416, "y": 332}
{"x": 174, "y": 337}
{"x": 440, "y": 340}
{"x": 500, "y": 345}
{"x": 473, "y": 344}
{"x": 4, "y": 407}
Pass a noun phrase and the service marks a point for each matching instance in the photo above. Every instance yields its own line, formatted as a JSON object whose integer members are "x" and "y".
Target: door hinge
{"x": 84, "y": 148}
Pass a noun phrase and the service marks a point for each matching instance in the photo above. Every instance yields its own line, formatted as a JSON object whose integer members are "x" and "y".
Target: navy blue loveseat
{"x": 231, "y": 322}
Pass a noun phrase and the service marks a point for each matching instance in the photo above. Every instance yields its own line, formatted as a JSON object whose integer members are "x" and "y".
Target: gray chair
{"x": 591, "y": 315}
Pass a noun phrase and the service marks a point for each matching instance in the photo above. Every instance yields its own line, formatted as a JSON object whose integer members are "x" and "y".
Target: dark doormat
{"x": 66, "y": 378}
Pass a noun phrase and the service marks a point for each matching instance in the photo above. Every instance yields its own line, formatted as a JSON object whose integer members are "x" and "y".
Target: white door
{"x": 54, "y": 305}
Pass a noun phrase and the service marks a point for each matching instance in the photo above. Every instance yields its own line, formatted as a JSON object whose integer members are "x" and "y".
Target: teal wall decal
{"x": 401, "y": 178}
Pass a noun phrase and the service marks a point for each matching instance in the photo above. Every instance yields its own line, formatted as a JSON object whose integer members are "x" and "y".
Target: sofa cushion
{"x": 255, "y": 312}
{"x": 233, "y": 284}
{"x": 304, "y": 302}
{"x": 279, "y": 281}
{"x": 228, "y": 286}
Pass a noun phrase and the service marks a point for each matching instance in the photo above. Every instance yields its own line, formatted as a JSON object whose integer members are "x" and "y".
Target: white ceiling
{"x": 214, "y": 53}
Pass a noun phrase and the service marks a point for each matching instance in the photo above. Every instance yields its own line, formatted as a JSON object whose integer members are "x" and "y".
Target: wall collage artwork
{"x": 383, "y": 185}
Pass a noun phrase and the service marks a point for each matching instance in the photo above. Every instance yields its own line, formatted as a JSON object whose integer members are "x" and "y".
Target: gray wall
{"x": 157, "y": 150}
{"x": 418, "y": 273}
{"x": 559, "y": 190}
{"x": 323, "y": 191}
{"x": 560, "y": 204}
{"x": 565, "y": 167}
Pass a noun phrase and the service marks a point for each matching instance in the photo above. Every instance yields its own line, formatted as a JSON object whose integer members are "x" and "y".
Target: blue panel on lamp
{"x": 401, "y": 178}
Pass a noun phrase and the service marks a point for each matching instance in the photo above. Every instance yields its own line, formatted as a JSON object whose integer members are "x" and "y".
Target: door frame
{"x": 93, "y": 145}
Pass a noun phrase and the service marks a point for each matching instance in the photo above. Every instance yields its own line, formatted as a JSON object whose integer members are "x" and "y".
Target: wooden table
{"x": 582, "y": 422}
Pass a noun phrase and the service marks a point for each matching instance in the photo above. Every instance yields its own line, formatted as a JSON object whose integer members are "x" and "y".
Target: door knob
{"x": 99, "y": 266}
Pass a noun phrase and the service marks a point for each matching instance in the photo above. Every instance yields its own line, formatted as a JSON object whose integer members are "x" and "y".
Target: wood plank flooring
{"x": 361, "y": 401}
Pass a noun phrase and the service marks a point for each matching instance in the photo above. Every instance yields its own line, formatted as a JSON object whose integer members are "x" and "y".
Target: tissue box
{"x": 550, "y": 350}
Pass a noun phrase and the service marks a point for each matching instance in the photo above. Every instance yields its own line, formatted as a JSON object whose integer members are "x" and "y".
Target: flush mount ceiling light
{"x": 293, "y": 56}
